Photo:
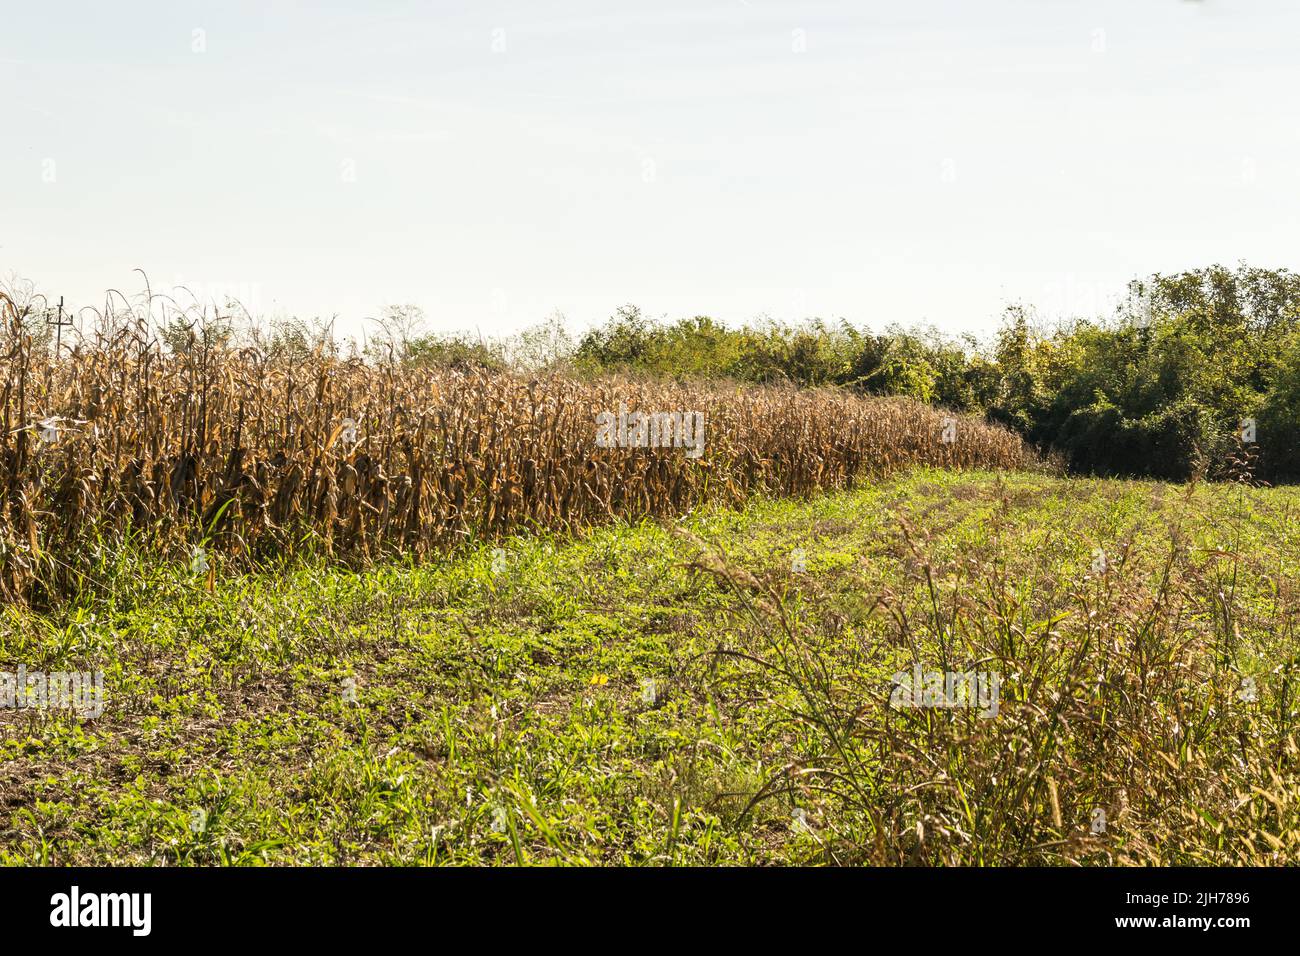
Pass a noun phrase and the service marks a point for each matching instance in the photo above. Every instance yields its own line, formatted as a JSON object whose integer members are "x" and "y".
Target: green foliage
{"x": 1160, "y": 389}
{"x": 1279, "y": 414}
{"x": 1164, "y": 388}
{"x": 610, "y": 699}
{"x": 453, "y": 351}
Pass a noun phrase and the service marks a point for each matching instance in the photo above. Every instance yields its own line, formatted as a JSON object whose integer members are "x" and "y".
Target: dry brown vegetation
{"x": 1148, "y": 707}
{"x": 248, "y": 452}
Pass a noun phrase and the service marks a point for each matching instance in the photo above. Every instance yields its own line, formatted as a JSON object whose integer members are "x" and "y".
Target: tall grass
{"x": 1133, "y": 727}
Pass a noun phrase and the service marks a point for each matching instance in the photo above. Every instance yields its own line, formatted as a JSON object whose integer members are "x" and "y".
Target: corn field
{"x": 261, "y": 456}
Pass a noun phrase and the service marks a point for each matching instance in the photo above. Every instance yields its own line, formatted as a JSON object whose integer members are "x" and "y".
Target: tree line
{"x": 1189, "y": 375}
{"x": 1192, "y": 370}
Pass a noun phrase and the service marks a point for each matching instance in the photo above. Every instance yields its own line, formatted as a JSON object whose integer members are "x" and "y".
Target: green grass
{"x": 501, "y": 714}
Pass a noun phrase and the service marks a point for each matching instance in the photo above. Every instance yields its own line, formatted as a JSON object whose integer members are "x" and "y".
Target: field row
{"x": 247, "y": 456}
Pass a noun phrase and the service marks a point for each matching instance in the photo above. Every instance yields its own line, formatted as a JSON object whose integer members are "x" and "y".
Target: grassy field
{"x": 714, "y": 691}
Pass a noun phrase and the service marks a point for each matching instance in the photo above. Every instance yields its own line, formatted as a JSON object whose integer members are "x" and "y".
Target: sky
{"x": 919, "y": 162}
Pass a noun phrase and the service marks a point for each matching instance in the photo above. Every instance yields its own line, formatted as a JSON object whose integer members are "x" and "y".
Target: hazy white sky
{"x": 911, "y": 161}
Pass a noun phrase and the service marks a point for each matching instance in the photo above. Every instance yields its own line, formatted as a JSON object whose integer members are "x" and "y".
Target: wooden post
{"x": 58, "y": 324}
